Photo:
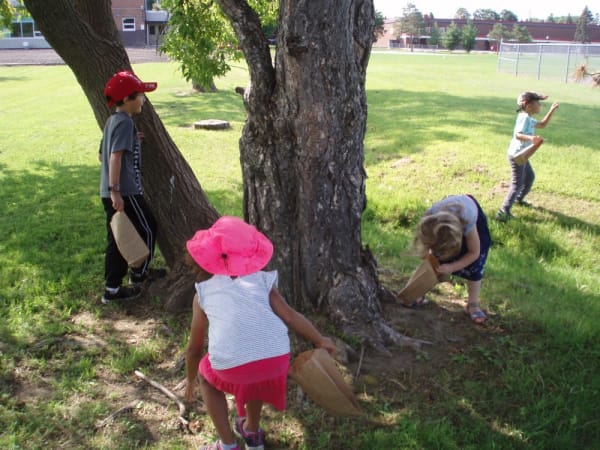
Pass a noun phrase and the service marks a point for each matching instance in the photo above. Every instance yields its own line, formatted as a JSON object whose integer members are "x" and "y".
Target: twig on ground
{"x": 404, "y": 388}
{"x": 182, "y": 411}
{"x": 360, "y": 360}
{"x": 107, "y": 420}
{"x": 180, "y": 385}
{"x": 179, "y": 364}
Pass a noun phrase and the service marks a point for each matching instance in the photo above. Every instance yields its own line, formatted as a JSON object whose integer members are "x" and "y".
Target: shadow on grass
{"x": 539, "y": 350}
{"x": 565, "y": 221}
{"x": 186, "y": 109}
{"x": 403, "y": 115}
{"x": 53, "y": 230}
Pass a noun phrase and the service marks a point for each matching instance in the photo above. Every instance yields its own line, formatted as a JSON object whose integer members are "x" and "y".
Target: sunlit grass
{"x": 438, "y": 124}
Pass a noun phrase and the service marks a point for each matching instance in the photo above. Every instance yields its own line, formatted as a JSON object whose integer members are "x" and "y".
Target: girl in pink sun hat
{"x": 247, "y": 322}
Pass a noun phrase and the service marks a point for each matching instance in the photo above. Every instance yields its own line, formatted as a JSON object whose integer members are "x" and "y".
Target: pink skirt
{"x": 264, "y": 380}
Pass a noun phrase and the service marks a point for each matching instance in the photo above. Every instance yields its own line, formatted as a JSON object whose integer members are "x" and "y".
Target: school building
{"x": 141, "y": 23}
{"x": 539, "y": 31}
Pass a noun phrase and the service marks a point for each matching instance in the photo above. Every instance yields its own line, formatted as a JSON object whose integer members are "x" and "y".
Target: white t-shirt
{"x": 242, "y": 326}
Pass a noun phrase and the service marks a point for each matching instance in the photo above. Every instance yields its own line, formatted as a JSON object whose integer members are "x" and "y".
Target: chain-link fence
{"x": 548, "y": 61}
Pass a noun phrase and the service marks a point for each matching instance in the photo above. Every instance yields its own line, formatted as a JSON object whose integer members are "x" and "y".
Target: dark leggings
{"x": 521, "y": 181}
{"x": 136, "y": 208}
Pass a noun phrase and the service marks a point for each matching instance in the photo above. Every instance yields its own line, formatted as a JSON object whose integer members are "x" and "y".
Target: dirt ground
{"x": 442, "y": 323}
{"x": 404, "y": 372}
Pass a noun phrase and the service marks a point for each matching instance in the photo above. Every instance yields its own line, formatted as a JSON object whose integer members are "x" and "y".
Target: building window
{"x": 152, "y": 30}
{"x": 128, "y": 24}
{"x": 22, "y": 29}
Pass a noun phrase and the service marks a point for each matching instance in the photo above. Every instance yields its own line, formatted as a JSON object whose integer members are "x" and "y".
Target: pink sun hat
{"x": 230, "y": 247}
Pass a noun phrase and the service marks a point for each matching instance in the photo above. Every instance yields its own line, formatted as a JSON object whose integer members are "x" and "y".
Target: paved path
{"x": 40, "y": 56}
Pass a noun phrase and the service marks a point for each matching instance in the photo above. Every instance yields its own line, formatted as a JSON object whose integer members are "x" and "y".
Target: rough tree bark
{"x": 302, "y": 155}
{"x": 84, "y": 34}
{"x": 301, "y": 148}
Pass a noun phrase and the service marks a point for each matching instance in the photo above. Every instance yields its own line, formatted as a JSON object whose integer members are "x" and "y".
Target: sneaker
{"x": 503, "y": 216}
{"x": 124, "y": 293}
{"x": 150, "y": 275}
{"x": 217, "y": 446}
{"x": 254, "y": 441}
{"x": 524, "y": 203}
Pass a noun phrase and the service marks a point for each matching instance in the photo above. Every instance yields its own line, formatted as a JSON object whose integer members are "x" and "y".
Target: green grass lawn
{"x": 438, "y": 124}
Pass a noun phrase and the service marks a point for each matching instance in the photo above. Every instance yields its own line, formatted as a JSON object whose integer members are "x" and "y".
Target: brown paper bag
{"x": 523, "y": 156}
{"x": 420, "y": 282}
{"x": 316, "y": 373}
{"x": 129, "y": 242}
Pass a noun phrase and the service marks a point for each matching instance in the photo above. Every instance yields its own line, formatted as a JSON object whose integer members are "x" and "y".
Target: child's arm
{"x": 522, "y": 156}
{"x": 542, "y": 123}
{"x": 297, "y": 322}
{"x": 195, "y": 348}
{"x": 473, "y": 248}
{"x": 114, "y": 177}
{"x": 536, "y": 140}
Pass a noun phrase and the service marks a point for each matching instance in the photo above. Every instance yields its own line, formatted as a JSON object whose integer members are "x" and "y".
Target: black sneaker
{"x": 524, "y": 203}
{"x": 124, "y": 293}
{"x": 503, "y": 216}
{"x": 137, "y": 278}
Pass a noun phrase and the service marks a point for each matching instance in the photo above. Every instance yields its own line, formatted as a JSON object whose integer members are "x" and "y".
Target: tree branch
{"x": 124, "y": 410}
{"x": 182, "y": 411}
{"x": 254, "y": 45}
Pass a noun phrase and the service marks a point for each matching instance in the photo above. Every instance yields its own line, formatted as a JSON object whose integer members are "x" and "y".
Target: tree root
{"x": 182, "y": 410}
{"x": 402, "y": 340}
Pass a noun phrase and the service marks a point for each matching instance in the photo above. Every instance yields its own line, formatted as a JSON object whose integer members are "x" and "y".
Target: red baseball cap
{"x": 123, "y": 84}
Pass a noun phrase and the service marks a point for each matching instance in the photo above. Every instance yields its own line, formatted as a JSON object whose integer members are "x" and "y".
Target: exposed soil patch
{"x": 406, "y": 372}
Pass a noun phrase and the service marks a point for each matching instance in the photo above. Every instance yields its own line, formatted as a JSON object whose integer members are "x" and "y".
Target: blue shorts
{"x": 474, "y": 271}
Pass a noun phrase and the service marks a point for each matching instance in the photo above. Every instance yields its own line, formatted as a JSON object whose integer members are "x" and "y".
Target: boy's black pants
{"x": 136, "y": 208}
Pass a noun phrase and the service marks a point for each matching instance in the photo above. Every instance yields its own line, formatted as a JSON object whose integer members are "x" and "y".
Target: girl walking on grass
{"x": 247, "y": 322}
{"x": 522, "y": 146}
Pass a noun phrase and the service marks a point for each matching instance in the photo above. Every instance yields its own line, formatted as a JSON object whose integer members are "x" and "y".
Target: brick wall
{"x": 130, "y": 18}
{"x": 539, "y": 31}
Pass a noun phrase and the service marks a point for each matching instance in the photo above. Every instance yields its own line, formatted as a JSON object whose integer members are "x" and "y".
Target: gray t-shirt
{"x": 469, "y": 211}
{"x": 120, "y": 134}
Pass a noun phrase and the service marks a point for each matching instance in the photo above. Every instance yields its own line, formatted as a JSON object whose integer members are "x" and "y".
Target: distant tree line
{"x": 412, "y": 24}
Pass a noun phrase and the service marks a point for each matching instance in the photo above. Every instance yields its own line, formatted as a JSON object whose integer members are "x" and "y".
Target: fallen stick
{"x": 399, "y": 384}
{"x": 182, "y": 420}
{"x": 181, "y": 385}
{"x": 107, "y": 420}
{"x": 362, "y": 353}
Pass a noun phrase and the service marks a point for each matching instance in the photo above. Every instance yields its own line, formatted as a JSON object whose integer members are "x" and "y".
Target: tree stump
{"x": 211, "y": 124}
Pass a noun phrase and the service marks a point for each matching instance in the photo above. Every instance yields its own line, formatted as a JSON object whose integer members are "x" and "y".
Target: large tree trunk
{"x": 302, "y": 155}
{"x": 84, "y": 34}
{"x": 301, "y": 148}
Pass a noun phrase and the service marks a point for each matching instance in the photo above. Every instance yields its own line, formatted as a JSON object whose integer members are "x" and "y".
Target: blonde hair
{"x": 440, "y": 233}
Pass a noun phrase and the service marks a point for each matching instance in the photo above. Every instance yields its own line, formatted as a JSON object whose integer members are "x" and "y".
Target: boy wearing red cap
{"x": 120, "y": 182}
{"x": 522, "y": 146}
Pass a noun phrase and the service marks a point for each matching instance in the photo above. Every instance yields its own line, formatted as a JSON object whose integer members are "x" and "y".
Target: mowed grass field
{"x": 438, "y": 124}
